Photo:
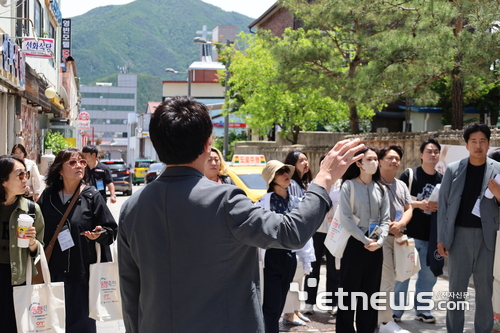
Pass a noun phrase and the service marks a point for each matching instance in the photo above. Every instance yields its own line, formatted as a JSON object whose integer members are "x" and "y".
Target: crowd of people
{"x": 207, "y": 250}
{"x": 88, "y": 222}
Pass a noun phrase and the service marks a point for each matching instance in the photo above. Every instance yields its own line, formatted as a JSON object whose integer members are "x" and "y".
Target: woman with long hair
{"x": 216, "y": 168}
{"x": 13, "y": 259}
{"x": 299, "y": 183}
{"x": 302, "y": 176}
{"x": 35, "y": 186}
{"x": 88, "y": 223}
{"x": 361, "y": 264}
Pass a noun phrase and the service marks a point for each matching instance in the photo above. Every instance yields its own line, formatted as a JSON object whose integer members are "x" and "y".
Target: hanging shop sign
{"x": 83, "y": 120}
{"x": 13, "y": 63}
{"x": 65, "y": 39}
{"x": 39, "y": 48}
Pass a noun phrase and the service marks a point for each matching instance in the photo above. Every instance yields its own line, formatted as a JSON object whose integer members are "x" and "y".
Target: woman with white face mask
{"x": 361, "y": 264}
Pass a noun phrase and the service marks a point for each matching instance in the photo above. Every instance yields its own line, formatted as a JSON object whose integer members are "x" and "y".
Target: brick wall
{"x": 278, "y": 22}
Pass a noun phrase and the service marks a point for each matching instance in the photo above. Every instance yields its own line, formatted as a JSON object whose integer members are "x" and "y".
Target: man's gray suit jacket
{"x": 188, "y": 255}
{"x": 450, "y": 195}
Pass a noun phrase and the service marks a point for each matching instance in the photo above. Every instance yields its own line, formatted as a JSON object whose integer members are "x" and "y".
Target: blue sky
{"x": 253, "y": 8}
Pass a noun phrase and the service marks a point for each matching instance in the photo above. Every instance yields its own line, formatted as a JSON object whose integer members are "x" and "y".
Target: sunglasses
{"x": 23, "y": 175}
{"x": 73, "y": 163}
{"x": 283, "y": 170}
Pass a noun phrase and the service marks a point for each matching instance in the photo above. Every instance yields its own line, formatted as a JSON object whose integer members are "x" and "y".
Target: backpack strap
{"x": 31, "y": 209}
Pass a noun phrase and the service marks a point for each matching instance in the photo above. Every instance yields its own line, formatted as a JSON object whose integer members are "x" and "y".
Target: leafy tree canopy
{"x": 265, "y": 100}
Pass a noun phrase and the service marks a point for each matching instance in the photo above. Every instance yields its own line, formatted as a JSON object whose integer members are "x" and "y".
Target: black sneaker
{"x": 425, "y": 317}
{"x": 396, "y": 318}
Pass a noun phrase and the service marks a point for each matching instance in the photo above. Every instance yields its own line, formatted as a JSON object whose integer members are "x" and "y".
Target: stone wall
{"x": 314, "y": 144}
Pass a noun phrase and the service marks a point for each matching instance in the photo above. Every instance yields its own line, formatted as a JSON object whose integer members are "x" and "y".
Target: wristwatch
{"x": 113, "y": 195}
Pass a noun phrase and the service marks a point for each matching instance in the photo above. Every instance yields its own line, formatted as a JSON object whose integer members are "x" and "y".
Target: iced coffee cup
{"x": 24, "y": 222}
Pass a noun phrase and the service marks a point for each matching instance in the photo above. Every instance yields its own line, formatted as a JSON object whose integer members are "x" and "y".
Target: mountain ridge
{"x": 151, "y": 34}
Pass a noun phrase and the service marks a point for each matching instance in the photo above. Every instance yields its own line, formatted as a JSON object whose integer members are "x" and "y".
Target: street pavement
{"x": 408, "y": 323}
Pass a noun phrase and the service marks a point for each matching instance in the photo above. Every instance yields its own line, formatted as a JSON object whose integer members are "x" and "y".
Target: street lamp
{"x": 201, "y": 40}
{"x": 171, "y": 70}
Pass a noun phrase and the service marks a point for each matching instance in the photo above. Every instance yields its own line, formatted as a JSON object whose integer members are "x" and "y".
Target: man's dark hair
{"x": 429, "y": 141}
{"x": 90, "y": 149}
{"x": 475, "y": 127}
{"x": 179, "y": 130}
{"x": 397, "y": 148}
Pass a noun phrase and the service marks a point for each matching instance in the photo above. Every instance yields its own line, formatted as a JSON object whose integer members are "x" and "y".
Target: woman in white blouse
{"x": 35, "y": 184}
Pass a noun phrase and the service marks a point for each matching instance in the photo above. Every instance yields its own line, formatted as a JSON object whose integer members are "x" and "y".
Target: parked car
{"x": 155, "y": 169}
{"x": 140, "y": 168}
{"x": 246, "y": 172}
{"x": 122, "y": 177}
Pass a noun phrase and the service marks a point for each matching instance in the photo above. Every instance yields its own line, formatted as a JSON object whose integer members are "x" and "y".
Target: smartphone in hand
{"x": 94, "y": 232}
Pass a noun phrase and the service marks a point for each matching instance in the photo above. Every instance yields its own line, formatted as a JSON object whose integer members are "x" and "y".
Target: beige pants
{"x": 496, "y": 296}
{"x": 388, "y": 278}
{"x": 292, "y": 302}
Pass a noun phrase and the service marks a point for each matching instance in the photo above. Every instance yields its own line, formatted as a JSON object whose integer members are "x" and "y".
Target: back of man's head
{"x": 90, "y": 149}
{"x": 179, "y": 129}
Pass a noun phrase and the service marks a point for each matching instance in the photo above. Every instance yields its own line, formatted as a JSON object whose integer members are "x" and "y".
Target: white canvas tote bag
{"x": 40, "y": 307}
{"x": 337, "y": 237}
{"x": 406, "y": 260}
{"x": 105, "y": 303}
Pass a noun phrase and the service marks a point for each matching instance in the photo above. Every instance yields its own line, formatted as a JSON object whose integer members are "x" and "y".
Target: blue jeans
{"x": 425, "y": 280}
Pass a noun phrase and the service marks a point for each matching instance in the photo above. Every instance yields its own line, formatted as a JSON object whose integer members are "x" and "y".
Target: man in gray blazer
{"x": 188, "y": 257}
{"x": 467, "y": 226}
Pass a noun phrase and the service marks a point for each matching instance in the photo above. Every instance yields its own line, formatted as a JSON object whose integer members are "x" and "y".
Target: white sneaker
{"x": 308, "y": 309}
{"x": 334, "y": 311}
{"x": 391, "y": 327}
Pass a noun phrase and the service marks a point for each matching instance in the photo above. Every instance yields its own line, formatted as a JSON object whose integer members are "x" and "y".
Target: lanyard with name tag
{"x": 65, "y": 239}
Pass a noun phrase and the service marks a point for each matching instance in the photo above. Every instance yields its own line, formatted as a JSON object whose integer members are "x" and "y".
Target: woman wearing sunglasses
{"x": 13, "y": 259}
{"x": 88, "y": 222}
{"x": 35, "y": 185}
{"x": 279, "y": 264}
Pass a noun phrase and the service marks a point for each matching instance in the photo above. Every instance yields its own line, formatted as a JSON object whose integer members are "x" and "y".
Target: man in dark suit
{"x": 188, "y": 255}
{"x": 467, "y": 228}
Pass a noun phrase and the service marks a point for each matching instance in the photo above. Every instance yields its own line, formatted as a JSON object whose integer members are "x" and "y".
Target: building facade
{"x": 108, "y": 106}
{"x": 32, "y": 99}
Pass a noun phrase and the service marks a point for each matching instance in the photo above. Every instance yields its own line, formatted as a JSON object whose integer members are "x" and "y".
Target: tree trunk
{"x": 457, "y": 100}
{"x": 353, "y": 118}
{"x": 457, "y": 84}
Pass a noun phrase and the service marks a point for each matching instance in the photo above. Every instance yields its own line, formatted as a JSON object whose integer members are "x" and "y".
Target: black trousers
{"x": 332, "y": 274}
{"x": 360, "y": 271}
{"x": 77, "y": 306}
{"x": 7, "y": 314}
{"x": 279, "y": 269}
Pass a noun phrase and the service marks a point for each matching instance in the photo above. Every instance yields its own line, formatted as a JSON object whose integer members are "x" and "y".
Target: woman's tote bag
{"x": 105, "y": 303}
{"x": 40, "y": 307}
{"x": 406, "y": 260}
{"x": 337, "y": 237}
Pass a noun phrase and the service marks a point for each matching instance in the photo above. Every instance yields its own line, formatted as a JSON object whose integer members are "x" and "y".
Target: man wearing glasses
{"x": 99, "y": 174}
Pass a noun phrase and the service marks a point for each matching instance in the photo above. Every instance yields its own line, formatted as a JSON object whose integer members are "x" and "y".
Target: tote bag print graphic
{"x": 40, "y": 307}
{"x": 104, "y": 290}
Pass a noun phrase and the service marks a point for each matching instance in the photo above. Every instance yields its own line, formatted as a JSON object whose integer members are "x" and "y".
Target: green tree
{"x": 373, "y": 52}
{"x": 55, "y": 140}
{"x": 266, "y": 101}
